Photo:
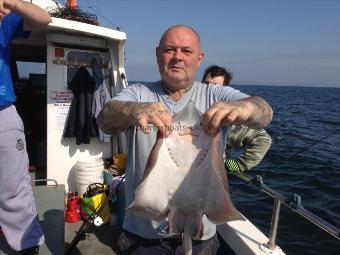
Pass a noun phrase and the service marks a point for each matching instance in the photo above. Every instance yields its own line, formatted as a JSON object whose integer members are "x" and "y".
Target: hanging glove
{"x": 232, "y": 166}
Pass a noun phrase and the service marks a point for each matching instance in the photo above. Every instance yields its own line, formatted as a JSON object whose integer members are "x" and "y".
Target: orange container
{"x": 72, "y": 4}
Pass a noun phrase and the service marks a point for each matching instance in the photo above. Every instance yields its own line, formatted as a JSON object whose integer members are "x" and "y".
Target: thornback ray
{"x": 185, "y": 179}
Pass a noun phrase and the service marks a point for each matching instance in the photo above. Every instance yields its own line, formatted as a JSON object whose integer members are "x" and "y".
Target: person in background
{"x": 137, "y": 106}
{"x": 18, "y": 213}
{"x": 254, "y": 142}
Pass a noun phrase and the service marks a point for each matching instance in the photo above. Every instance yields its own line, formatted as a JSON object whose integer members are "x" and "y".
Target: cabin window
{"x": 27, "y": 68}
{"x": 80, "y": 58}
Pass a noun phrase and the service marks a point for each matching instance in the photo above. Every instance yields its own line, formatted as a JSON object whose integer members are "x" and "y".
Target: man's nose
{"x": 178, "y": 54}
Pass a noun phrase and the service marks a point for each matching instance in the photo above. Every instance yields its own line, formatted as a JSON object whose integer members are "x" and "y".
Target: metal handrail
{"x": 46, "y": 180}
{"x": 294, "y": 204}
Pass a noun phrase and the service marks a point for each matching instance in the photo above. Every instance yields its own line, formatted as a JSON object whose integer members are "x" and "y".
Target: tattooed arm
{"x": 119, "y": 115}
{"x": 253, "y": 112}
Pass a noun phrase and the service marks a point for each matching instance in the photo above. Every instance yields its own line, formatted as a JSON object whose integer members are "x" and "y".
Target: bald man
{"x": 138, "y": 106}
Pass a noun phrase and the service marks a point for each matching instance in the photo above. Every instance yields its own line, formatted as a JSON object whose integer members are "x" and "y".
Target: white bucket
{"x": 88, "y": 170}
{"x": 89, "y": 177}
{"x": 90, "y": 160}
{"x": 89, "y": 165}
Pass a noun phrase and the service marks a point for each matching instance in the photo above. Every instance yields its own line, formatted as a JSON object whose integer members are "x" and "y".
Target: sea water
{"x": 302, "y": 161}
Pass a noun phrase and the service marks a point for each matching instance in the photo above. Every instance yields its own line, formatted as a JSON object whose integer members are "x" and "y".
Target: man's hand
{"x": 6, "y": 6}
{"x": 225, "y": 114}
{"x": 119, "y": 115}
{"x": 143, "y": 114}
{"x": 252, "y": 111}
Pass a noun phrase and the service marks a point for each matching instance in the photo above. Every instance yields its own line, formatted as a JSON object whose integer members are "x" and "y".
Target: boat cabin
{"x": 42, "y": 66}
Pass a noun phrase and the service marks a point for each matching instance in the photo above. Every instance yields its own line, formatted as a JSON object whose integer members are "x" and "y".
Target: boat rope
{"x": 306, "y": 148}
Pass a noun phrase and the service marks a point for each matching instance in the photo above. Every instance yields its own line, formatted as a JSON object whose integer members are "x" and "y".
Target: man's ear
{"x": 157, "y": 54}
{"x": 200, "y": 59}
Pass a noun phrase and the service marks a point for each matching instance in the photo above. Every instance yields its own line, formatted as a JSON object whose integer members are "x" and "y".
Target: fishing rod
{"x": 287, "y": 159}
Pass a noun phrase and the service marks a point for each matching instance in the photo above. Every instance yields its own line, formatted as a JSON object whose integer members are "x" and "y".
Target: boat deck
{"x": 97, "y": 240}
{"x": 59, "y": 234}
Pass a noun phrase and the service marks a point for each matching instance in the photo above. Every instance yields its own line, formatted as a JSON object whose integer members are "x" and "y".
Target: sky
{"x": 262, "y": 42}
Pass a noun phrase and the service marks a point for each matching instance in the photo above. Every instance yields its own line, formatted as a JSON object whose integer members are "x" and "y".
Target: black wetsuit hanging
{"x": 80, "y": 123}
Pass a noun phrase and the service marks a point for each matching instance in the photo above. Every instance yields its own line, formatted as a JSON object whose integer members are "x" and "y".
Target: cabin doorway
{"x": 28, "y": 69}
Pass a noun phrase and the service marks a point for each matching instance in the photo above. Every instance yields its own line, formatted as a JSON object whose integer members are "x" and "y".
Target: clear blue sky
{"x": 270, "y": 42}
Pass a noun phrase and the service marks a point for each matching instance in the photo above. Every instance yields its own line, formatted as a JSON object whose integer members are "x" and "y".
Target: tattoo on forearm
{"x": 113, "y": 116}
{"x": 262, "y": 113}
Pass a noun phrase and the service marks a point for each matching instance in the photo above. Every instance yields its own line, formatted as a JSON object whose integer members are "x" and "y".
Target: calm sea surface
{"x": 302, "y": 117}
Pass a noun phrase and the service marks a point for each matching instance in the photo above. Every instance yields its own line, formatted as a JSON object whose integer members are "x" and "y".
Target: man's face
{"x": 215, "y": 80}
{"x": 179, "y": 56}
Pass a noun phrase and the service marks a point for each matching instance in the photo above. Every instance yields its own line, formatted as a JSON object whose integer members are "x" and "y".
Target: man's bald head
{"x": 179, "y": 26}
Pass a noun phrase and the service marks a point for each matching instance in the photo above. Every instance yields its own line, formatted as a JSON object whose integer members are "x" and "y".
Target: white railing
{"x": 293, "y": 203}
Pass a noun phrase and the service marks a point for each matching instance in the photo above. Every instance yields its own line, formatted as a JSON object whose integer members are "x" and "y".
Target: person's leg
{"x": 18, "y": 213}
{"x": 131, "y": 244}
{"x": 30, "y": 251}
{"x": 205, "y": 247}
